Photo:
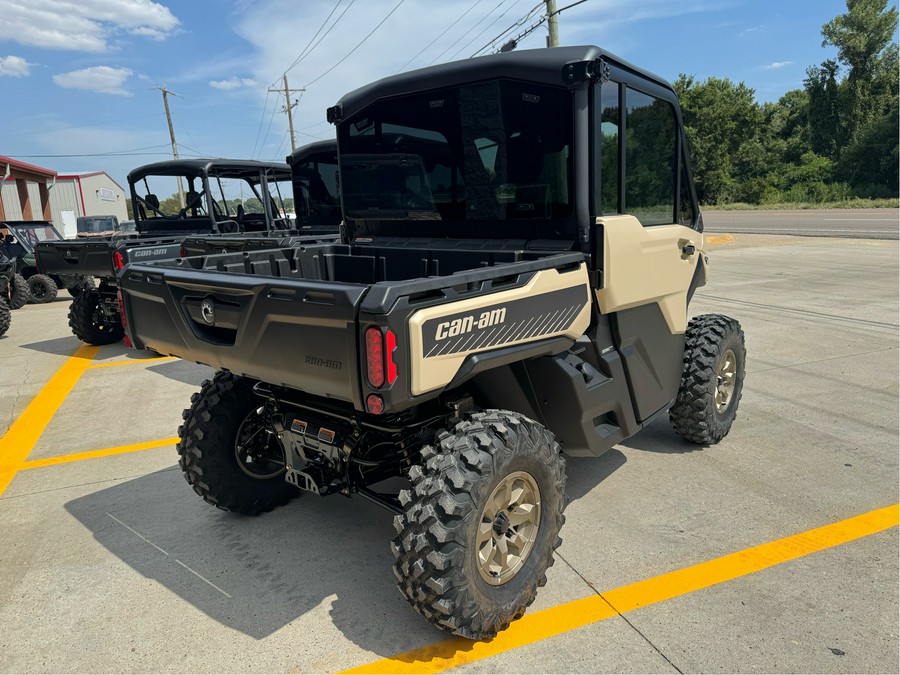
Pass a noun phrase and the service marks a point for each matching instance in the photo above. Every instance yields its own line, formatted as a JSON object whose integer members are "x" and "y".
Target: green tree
{"x": 867, "y": 142}
{"x": 723, "y": 123}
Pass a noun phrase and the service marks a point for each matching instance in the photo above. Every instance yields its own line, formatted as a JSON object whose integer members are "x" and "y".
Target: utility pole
{"x": 165, "y": 95}
{"x": 552, "y": 24}
{"x": 288, "y": 107}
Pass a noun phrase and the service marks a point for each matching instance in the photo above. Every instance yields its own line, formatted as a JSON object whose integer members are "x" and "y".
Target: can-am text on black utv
{"x": 522, "y": 243}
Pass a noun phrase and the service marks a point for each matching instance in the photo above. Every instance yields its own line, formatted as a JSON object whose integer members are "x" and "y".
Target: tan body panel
{"x": 434, "y": 372}
{"x": 646, "y": 264}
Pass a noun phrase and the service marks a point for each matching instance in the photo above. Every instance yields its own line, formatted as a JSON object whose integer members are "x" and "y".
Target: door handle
{"x": 688, "y": 248}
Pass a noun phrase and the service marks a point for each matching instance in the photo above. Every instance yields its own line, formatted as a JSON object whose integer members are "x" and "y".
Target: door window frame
{"x": 625, "y": 79}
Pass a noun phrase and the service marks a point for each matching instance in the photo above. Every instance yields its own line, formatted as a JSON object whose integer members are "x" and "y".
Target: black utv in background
{"x": 229, "y": 205}
{"x": 6, "y": 278}
{"x": 18, "y": 240}
{"x": 522, "y": 241}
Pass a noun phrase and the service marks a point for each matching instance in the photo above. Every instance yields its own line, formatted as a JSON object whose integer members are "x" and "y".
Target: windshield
{"x": 106, "y": 224}
{"x": 316, "y": 190}
{"x": 490, "y": 151}
{"x": 29, "y": 235}
{"x": 170, "y": 197}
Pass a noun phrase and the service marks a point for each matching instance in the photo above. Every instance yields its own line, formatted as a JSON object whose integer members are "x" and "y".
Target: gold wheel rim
{"x": 508, "y": 527}
{"x": 726, "y": 377}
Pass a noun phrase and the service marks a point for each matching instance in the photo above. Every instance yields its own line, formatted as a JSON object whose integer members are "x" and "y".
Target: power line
{"x": 111, "y": 153}
{"x": 515, "y": 25}
{"x": 268, "y": 128}
{"x": 280, "y": 145}
{"x": 308, "y": 50}
{"x": 483, "y": 31}
{"x": 514, "y": 42}
{"x": 303, "y": 51}
{"x": 445, "y": 31}
{"x": 466, "y": 34}
{"x": 262, "y": 120}
{"x": 359, "y": 44}
{"x": 82, "y": 126}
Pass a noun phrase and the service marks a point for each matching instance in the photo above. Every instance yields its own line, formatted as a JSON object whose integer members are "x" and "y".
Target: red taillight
{"x": 182, "y": 252}
{"x": 122, "y": 309}
{"x": 375, "y": 356}
{"x": 391, "y": 345}
{"x": 375, "y": 404}
{"x": 118, "y": 261}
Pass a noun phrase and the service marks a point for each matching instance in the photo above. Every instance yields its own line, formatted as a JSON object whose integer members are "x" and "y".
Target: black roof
{"x": 234, "y": 168}
{"x": 311, "y": 149}
{"x": 531, "y": 65}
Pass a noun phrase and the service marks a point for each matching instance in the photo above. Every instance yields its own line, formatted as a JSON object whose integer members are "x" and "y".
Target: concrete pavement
{"x": 113, "y": 564}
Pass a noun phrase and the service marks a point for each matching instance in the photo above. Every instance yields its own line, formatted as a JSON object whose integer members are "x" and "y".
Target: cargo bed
{"x": 291, "y": 317}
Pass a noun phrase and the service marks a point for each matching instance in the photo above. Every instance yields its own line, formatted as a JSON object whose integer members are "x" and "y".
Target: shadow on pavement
{"x": 64, "y": 346}
{"x": 276, "y": 568}
{"x": 583, "y": 474}
{"x": 183, "y": 371}
{"x": 659, "y": 436}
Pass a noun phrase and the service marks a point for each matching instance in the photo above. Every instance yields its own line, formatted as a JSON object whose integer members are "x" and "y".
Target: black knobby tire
{"x": 42, "y": 288}
{"x": 89, "y": 324}
{"x": 208, "y": 454}
{"x": 86, "y": 285}
{"x": 708, "y": 341}
{"x": 19, "y": 295}
{"x": 5, "y": 317}
{"x": 436, "y": 555}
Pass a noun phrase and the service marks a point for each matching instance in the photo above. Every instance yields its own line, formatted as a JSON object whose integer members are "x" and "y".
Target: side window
{"x": 609, "y": 148}
{"x": 686, "y": 217}
{"x": 651, "y": 159}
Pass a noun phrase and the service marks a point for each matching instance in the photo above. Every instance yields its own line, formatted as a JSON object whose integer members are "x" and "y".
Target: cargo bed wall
{"x": 356, "y": 264}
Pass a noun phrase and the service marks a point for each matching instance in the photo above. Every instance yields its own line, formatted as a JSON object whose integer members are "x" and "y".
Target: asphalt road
{"x": 845, "y": 223}
{"x": 110, "y": 563}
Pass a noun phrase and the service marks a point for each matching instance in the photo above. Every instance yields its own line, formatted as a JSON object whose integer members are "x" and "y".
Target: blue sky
{"x": 77, "y": 77}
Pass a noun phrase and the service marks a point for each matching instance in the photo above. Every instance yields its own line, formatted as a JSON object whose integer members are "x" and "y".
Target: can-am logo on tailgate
{"x": 467, "y": 324}
{"x": 148, "y": 252}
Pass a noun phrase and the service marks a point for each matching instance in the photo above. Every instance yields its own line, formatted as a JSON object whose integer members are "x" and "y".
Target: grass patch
{"x": 889, "y": 203}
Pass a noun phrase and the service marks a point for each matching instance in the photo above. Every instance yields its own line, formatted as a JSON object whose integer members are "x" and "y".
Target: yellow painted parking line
{"x": 23, "y": 435}
{"x": 93, "y": 454}
{"x": 718, "y": 238}
{"x": 131, "y": 362}
{"x": 557, "y": 620}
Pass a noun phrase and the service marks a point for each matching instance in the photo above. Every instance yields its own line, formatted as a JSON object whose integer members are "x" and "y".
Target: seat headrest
{"x": 152, "y": 200}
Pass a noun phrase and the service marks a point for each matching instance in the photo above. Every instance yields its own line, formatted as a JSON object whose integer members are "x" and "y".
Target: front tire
{"x": 42, "y": 289}
{"x": 221, "y": 431}
{"x": 19, "y": 295}
{"x": 89, "y": 324}
{"x": 712, "y": 379}
{"x": 5, "y": 317}
{"x": 482, "y": 521}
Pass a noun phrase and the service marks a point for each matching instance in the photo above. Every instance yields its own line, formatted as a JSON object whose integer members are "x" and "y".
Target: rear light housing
{"x": 118, "y": 261}
{"x": 380, "y": 347}
{"x": 122, "y": 308}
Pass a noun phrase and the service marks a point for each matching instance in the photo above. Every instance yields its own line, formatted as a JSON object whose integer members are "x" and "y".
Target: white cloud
{"x": 14, "y": 66}
{"x": 775, "y": 65}
{"x": 102, "y": 79}
{"x": 82, "y": 25}
{"x": 274, "y": 45}
{"x": 233, "y": 83}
